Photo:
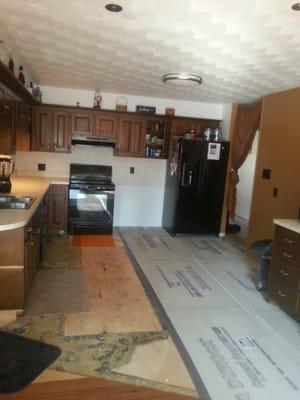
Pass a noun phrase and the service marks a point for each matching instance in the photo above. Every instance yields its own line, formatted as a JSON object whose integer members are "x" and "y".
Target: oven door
{"x": 90, "y": 210}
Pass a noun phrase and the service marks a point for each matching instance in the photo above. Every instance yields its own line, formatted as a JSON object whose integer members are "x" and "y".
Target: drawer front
{"x": 288, "y": 255}
{"x": 286, "y": 298}
{"x": 286, "y": 272}
{"x": 288, "y": 239}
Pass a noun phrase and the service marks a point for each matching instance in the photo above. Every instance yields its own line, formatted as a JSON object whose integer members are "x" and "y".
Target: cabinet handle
{"x": 281, "y": 294}
{"x": 289, "y": 240}
{"x": 37, "y": 231}
{"x": 287, "y": 255}
{"x": 284, "y": 272}
{"x": 29, "y": 230}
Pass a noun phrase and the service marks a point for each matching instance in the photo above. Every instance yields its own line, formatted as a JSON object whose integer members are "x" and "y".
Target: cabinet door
{"x": 42, "y": 129}
{"x": 83, "y": 124}
{"x": 131, "y": 137}
{"x": 22, "y": 120}
{"x": 61, "y": 132}
{"x": 106, "y": 125}
{"x": 7, "y": 138}
{"x": 57, "y": 208}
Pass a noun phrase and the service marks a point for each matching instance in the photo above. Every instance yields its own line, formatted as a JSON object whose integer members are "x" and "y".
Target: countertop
{"x": 26, "y": 186}
{"x": 291, "y": 224}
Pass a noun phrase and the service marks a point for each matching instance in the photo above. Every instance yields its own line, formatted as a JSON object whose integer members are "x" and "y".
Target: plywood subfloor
{"x": 117, "y": 303}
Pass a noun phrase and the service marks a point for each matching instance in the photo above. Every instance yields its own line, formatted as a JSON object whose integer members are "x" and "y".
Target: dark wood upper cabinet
{"x": 83, "y": 124}
{"x": 23, "y": 122}
{"x": 131, "y": 137}
{"x": 42, "y": 129}
{"x": 106, "y": 125}
{"x": 51, "y": 130}
{"x": 7, "y": 133}
{"x": 62, "y": 132}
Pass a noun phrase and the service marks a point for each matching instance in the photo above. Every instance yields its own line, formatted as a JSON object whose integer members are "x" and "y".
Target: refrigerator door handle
{"x": 187, "y": 175}
{"x": 201, "y": 182}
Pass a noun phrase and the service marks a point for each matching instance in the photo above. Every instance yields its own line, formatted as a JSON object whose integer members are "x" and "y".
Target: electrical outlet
{"x": 41, "y": 167}
{"x": 131, "y": 170}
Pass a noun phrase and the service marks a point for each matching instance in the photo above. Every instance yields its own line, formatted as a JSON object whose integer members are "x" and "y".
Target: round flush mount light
{"x": 296, "y": 7}
{"x": 182, "y": 79}
{"x": 113, "y": 7}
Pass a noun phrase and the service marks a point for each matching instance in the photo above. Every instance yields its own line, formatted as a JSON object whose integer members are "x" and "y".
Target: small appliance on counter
{"x": 6, "y": 169}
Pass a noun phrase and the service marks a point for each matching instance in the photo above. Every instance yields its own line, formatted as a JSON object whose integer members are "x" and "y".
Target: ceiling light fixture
{"x": 113, "y": 7}
{"x": 296, "y": 7}
{"x": 182, "y": 79}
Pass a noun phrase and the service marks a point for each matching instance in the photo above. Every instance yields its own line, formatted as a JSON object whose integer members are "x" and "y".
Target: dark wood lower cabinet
{"x": 57, "y": 208}
{"x": 284, "y": 278}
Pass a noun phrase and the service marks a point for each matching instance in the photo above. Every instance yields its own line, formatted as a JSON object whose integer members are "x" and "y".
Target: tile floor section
{"x": 238, "y": 345}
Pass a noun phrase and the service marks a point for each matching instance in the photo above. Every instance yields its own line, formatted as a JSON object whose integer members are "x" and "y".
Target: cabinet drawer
{"x": 286, "y": 272}
{"x": 288, "y": 239}
{"x": 290, "y": 256}
{"x": 285, "y": 297}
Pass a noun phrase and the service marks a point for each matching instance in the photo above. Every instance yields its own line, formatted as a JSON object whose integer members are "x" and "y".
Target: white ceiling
{"x": 243, "y": 49}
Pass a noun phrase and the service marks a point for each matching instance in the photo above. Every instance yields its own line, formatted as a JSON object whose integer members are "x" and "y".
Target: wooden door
{"x": 106, "y": 125}
{"x": 61, "y": 132}
{"x": 42, "y": 129}
{"x": 83, "y": 124}
{"x": 131, "y": 137}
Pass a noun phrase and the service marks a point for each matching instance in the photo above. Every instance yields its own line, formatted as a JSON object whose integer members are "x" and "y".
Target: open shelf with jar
{"x": 155, "y": 138}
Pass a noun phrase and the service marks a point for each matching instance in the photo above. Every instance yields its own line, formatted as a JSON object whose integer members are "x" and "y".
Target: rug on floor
{"x": 93, "y": 241}
{"x": 22, "y": 360}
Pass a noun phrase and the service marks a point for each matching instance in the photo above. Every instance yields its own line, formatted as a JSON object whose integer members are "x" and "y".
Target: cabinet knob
{"x": 289, "y": 240}
{"x": 281, "y": 294}
{"x": 284, "y": 272}
{"x": 287, "y": 255}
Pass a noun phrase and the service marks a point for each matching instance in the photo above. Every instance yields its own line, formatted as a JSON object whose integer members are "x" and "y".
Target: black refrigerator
{"x": 195, "y": 185}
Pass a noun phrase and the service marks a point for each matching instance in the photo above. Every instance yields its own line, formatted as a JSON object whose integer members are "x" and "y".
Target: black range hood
{"x": 93, "y": 141}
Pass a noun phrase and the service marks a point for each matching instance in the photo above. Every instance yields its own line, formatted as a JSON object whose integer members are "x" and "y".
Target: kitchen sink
{"x": 14, "y": 202}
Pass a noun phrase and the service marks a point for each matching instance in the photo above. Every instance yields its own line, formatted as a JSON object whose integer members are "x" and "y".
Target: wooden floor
{"x": 91, "y": 389}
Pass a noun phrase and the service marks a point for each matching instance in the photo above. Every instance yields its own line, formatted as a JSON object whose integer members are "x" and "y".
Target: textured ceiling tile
{"x": 242, "y": 49}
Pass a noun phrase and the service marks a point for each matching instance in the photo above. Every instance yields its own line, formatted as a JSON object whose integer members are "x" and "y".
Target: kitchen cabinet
{"x": 106, "y": 125}
{"x": 83, "y": 123}
{"x": 20, "y": 254}
{"x": 7, "y": 133}
{"x": 32, "y": 248}
{"x": 22, "y": 125}
{"x": 51, "y": 130}
{"x": 57, "y": 208}
{"x": 131, "y": 136}
{"x": 62, "y": 132}
{"x": 181, "y": 125}
{"x": 284, "y": 278}
{"x": 155, "y": 137}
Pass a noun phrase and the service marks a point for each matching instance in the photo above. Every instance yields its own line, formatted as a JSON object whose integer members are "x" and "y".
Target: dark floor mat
{"x": 22, "y": 360}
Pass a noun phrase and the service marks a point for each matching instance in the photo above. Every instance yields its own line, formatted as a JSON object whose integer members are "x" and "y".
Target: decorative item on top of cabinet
{"x": 131, "y": 136}
{"x": 97, "y": 100}
{"x": 155, "y": 138}
{"x": 284, "y": 277}
{"x": 121, "y": 103}
{"x": 58, "y": 209}
{"x": 21, "y": 76}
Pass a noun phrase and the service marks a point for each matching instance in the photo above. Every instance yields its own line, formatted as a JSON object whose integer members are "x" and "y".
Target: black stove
{"x": 91, "y": 199}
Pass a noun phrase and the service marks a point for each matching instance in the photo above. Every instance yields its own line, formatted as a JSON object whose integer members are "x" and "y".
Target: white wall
{"x": 139, "y": 197}
{"x": 54, "y": 95}
{"x": 226, "y": 120}
{"x": 245, "y": 185}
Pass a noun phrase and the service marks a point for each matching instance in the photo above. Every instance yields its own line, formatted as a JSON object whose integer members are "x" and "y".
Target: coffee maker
{"x": 6, "y": 170}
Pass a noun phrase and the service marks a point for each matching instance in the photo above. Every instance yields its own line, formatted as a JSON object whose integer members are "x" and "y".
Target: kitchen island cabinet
{"x": 284, "y": 279}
